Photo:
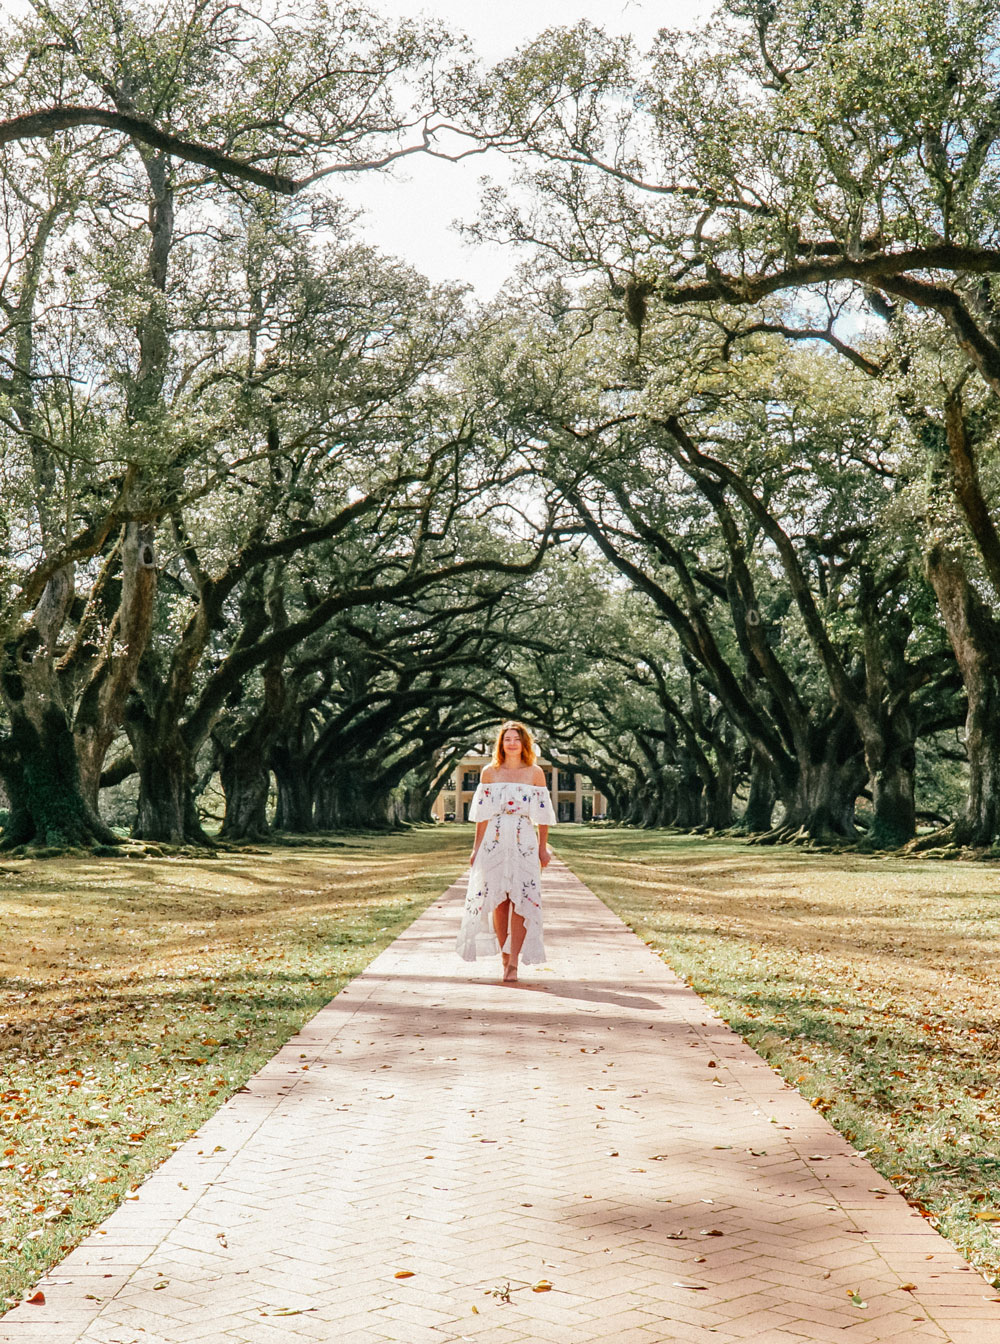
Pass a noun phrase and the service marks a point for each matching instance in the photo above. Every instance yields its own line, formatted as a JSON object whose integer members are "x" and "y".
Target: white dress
{"x": 506, "y": 866}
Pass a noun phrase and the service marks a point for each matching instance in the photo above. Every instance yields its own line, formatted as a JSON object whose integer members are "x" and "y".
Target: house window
{"x": 587, "y": 808}
{"x": 450, "y": 783}
{"x": 567, "y": 781}
{"x": 470, "y": 779}
{"x": 567, "y": 811}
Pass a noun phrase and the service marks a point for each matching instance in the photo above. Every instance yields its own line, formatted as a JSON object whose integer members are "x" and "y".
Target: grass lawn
{"x": 872, "y": 984}
{"x": 137, "y": 995}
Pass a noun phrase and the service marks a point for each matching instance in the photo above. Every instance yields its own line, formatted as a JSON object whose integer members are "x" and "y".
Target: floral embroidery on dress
{"x": 507, "y": 865}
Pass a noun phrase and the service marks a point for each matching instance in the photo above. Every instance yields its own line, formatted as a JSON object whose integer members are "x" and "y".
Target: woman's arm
{"x": 480, "y": 832}
{"x": 544, "y": 853}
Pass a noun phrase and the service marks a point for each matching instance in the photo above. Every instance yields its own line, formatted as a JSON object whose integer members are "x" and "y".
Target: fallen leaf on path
{"x": 542, "y": 1286}
{"x": 907, "y": 1287}
{"x": 693, "y": 1287}
{"x": 403, "y": 1274}
{"x": 37, "y": 1299}
{"x": 856, "y": 1299}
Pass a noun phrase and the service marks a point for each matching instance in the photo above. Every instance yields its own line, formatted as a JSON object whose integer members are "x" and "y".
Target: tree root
{"x": 940, "y": 839}
{"x": 779, "y": 835}
{"x": 122, "y": 849}
{"x": 822, "y": 841}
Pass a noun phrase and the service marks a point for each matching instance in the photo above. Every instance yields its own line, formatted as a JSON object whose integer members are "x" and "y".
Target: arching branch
{"x": 40, "y": 125}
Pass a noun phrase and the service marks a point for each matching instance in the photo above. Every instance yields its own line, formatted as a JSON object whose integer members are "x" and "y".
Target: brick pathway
{"x": 597, "y": 1127}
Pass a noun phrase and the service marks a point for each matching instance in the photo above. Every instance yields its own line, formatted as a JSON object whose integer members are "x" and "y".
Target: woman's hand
{"x": 544, "y": 855}
{"x": 472, "y": 857}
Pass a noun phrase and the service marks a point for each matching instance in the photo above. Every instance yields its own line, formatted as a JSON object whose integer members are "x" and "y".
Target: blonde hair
{"x": 527, "y": 745}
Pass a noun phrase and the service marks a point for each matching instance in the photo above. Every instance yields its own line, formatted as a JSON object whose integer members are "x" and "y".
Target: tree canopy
{"x": 707, "y": 496}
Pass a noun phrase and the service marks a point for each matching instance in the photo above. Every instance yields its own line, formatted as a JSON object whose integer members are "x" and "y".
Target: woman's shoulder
{"x": 488, "y": 775}
{"x": 537, "y": 775}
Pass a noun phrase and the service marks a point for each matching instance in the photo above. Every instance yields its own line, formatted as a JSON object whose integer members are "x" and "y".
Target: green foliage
{"x": 345, "y": 471}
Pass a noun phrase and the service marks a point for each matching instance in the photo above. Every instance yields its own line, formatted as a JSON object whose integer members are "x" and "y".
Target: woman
{"x": 507, "y": 855}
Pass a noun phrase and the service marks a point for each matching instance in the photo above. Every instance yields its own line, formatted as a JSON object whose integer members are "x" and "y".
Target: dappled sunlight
{"x": 135, "y": 997}
{"x": 871, "y": 983}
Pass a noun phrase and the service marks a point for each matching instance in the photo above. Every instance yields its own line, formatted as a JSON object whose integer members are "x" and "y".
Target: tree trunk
{"x": 416, "y": 804}
{"x": 243, "y": 757}
{"x": 295, "y": 811}
{"x": 690, "y": 810}
{"x": 980, "y": 824}
{"x": 634, "y": 807}
{"x": 824, "y": 803}
{"x": 822, "y": 798}
{"x": 975, "y": 638}
{"x": 348, "y": 801}
{"x": 167, "y": 809}
{"x": 719, "y": 793}
{"x": 759, "y": 810}
{"x": 894, "y": 820}
{"x": 102, "y": 705}
{"x": 38, "y": 761}
{"x": 246, "y": 783}
{"x": 39, "y": 771}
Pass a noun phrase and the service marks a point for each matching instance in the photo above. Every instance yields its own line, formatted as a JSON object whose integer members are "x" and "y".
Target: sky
{"x": 409, "y": 212}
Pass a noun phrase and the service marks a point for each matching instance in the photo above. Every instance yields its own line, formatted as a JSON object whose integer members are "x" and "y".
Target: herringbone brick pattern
{"x": 596, "y": 1127}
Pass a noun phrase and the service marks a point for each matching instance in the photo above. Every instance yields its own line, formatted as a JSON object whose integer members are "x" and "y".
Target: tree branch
{"x": 41, "y": 125}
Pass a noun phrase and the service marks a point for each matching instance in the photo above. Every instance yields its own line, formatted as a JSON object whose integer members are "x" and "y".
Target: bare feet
{"x": 509, "y": 972}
